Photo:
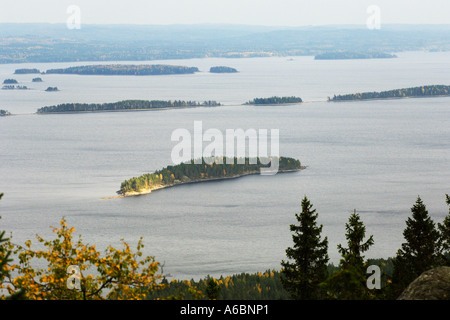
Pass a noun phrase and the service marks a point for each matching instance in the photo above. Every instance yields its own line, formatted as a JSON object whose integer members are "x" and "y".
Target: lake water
{"x": 373, "y": 156}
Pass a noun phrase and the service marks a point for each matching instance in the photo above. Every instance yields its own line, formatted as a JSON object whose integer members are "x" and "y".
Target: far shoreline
{"x": 390, "y": 98}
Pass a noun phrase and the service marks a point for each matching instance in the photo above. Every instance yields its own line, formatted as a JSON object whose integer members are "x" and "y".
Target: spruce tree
{"x": 349, "y": 282}
{"x": 307, "y": 267}
{"x": 420, "y": 252}
{"x": 444, "y": 230}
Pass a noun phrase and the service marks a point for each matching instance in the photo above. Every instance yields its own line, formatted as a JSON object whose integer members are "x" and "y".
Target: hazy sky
{"x": 253, "y": 12}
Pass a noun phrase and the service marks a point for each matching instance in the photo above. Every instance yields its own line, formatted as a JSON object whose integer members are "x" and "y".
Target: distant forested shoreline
{"x": 353, "y": 55}
{"x": 422, "y": 91}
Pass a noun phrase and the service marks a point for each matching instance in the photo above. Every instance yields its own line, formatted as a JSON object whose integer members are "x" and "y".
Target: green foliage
{"x": 5, "y": 258}
{"x": 340, "y": 55}
{"x": 124, "y": 105}
{"x": 244, "y": 286}
{"x": 12, "y": 87}
{"x": 4, "y": 254}
{"x": 125, "y": 69}
{"x": 4, "y": 113}
{"x": 274, "y": 100}
{"x": 26, "y": 71}
{"x": 444, "y": 229}
{"x": 209, "y": 168}
{"x": 10, "y": 81}
{"x": 222, "y": 69}
{"x": 423, "y": 91}
{"x": 212, "y": 289}
{"x": 420, "y": 252}
{"x": 349, "y": 282}
{"x": 301, "y": 278}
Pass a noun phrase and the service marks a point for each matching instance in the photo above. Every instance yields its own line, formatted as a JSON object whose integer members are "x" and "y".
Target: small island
{"x": 36, "y": 80}
{"x": 274, "y": 100}
{"x": 345, "y": 55}
{"x": 12, "y": 87}
{"x": 222, "y": 69}
{"x": 208, "y": 170}
{"x": 423, "y": 91}
{"x": 51, "y": 89}
{"x": 4, "y": 113}
{"x": 10, "y": 81}
{"x": 126, "y": 105}
{"x": 125, "y": 70}
{"x": 26, "y": 71}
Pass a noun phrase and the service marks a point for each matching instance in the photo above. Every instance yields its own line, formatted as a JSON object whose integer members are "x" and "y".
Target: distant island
{"x": 4, "y": 113}
{"x": 37, "y": 80}
{"x": 343, "y": 55}
{"x": 10, "y": 81}
{"x": 125, "y": 70}
{"x": 126, "y": 105}
{"x": 12, "y": 87}
{"x": 222, "y": 69}
{"x": 423, "y": 91}
{"x": 26, "y": 71}
{"x": 274, "y": 100}
{"x": 52, "y": 89}
{"x": 208, "y": 170}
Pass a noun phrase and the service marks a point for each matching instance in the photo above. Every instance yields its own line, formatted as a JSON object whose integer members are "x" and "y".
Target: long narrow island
{"x": 423, "y": 91}
{"x": 207, "y": 170}
{"x": 274, "y": 100}
{"x": 126, "y": 105}
{"x": 125, "y": 70}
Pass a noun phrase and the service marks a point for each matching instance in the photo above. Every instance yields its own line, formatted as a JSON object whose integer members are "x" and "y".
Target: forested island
{"x": 26, "y": 71}
{"x": 10, "y": 81}
{"x": 222, "y": 69}
{"x": 274, "y": 100}
{"x": 4, "y": 113}
{"x": 13, "y": 87}
{"x": 423, "y": 91}
{"x": 208, "y": 170}
{"x": 50, "y": 89}
{"x": 342, "y": 55}
{"x": 126, "y": 105}
{"x": 37, "y": 79}
{"x": 125, "y": 70}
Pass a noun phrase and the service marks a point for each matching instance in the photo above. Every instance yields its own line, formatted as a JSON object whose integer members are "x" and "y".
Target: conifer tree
{"x": 302, "y": 276}
{"x": 349, "y": 282}
{"x": 444, "y": 230}
{"x": 420, "y": 252}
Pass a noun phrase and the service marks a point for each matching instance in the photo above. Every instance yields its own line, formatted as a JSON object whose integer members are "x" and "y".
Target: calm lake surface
{"x": 372, "y": 156}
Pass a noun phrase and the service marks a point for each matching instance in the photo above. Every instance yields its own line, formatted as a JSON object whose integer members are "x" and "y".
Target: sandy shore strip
{"x": 147, "y": 191}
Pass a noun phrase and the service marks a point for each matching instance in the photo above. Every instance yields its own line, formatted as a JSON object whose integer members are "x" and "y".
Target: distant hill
{"x": 40, "y": 42}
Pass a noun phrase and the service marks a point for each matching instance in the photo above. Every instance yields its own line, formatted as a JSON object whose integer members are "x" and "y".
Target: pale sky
{"x": 250, "y": 12}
